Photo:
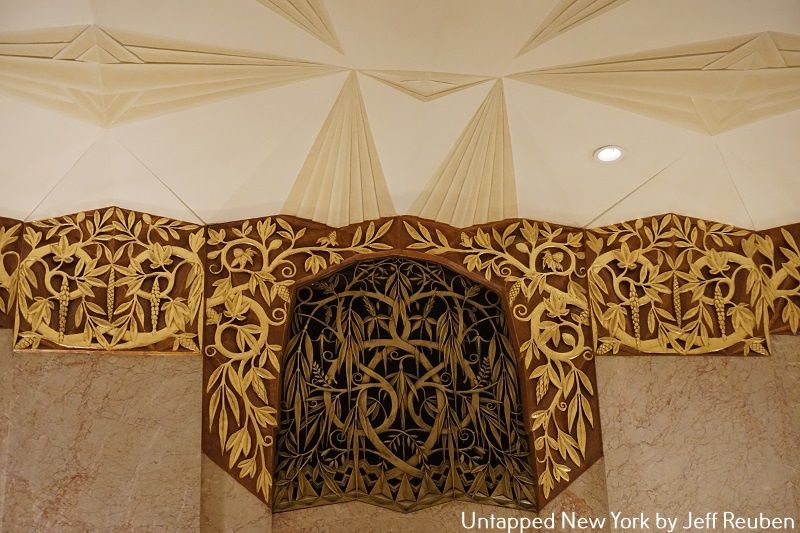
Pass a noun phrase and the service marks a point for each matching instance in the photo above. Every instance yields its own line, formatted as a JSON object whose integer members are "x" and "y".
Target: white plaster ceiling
{"x": 70, "y": 139}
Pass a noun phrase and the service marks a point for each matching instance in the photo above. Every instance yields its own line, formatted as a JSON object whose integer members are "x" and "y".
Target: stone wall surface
{"x": 102, "y": 442}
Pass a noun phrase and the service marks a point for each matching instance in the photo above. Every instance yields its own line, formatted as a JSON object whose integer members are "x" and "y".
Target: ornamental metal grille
{"x": 400, "y": 389}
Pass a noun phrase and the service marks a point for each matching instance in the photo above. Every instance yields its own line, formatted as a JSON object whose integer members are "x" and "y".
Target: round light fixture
{"x": 607, "y": 154}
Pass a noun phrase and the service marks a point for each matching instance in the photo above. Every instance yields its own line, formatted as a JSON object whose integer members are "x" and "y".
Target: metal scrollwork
{"x": 400, "y": 389}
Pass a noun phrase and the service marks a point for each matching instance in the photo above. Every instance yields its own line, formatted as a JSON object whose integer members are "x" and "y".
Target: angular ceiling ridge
{"x": 106, "y": 137}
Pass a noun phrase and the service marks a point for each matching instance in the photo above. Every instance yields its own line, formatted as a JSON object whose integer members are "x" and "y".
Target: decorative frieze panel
{"x": 677, "y": 285}
{"x": 110, "y": 280}
{"x": 119, "y": 280}
{"x": 254, "y": 267}
{"x": 10, "y": 231}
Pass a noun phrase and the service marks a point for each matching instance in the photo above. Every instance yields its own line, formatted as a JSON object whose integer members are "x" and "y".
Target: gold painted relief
{"x": 400, "y": 389}
{"x": 110, "y": 280}
{"x": 784, "y": 271}
{"x": 543, "y": 270}
{"x": 119, "y": 280}
{"x": 676, "y": 285}
{"x": 252, "y": 267}
{"x": 10, "y": 231}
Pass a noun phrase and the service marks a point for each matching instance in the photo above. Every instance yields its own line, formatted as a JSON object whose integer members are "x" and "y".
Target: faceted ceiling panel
{"x": 223, "y": 105}
{"x": 341, "y": 181}
{"x": 110, "y": 76}
{"x": 309, "y": 15}
{"x": 709, "y": 86}
{"x": 410, "y": 160}
{"x": 476, "y": 181}
{"x": 566, "y": 15}
{"x": 425, "y": 86}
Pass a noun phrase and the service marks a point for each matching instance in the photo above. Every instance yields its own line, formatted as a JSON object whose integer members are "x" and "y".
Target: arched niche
{"x": 400, "y": 388}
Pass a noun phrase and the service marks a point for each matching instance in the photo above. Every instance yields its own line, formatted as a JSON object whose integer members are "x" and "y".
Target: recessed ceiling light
{"x": 607, "y": 154}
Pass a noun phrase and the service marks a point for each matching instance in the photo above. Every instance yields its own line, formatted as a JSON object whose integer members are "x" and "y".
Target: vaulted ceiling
{"x": 464, "y": 111}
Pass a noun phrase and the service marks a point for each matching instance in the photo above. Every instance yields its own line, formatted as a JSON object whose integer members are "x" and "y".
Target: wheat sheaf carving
{"x": 684, "y": 286}
{"x": 110, "y": 280}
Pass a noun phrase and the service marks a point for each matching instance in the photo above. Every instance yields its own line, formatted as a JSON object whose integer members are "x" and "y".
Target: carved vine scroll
{"x": 252, "y": 266}
{"x": 543, "y": 274}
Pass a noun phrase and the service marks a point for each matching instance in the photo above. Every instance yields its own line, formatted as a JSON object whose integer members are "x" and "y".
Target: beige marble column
{"x": 102, "y": 442}
{"x": 702, "y": 434}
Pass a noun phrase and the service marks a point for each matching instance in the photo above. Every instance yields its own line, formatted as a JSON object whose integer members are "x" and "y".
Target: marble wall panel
{"x": 228, "y": 507}
{"x": 103, "y": 443}
{"x": 702, "y": 434}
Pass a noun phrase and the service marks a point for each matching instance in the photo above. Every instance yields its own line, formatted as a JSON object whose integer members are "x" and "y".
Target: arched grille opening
{"x": 400, "y": 389}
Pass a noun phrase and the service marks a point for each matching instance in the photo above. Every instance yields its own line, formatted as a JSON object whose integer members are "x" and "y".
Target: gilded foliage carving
{"x": 400, "y": 389}
{"x": 678, "y": 285}
{"x": 251, "y": 270}
{"x": 110, "y": 280}
{"x": 10, "y": 231}
{"x": 543, "y": 270}
{"x": 784, "y": 272}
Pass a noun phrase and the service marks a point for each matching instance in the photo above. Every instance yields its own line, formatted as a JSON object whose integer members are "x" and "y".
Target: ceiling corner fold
{"x": 476, "y": 181}
{"x": 109, "y": 174}
{"x": 341, "y": 181}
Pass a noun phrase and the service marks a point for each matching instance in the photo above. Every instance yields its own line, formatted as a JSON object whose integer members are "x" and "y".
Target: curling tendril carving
{"x": 253, "y": 267}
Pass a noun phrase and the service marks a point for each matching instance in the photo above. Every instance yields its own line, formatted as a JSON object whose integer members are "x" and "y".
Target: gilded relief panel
{"x": 541, "y": 271}
{"x": 10, "y": 231}
{"x": 678, "y": 285}
{"x": 113, "y": 279}
{"x": 110, "y": 279}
